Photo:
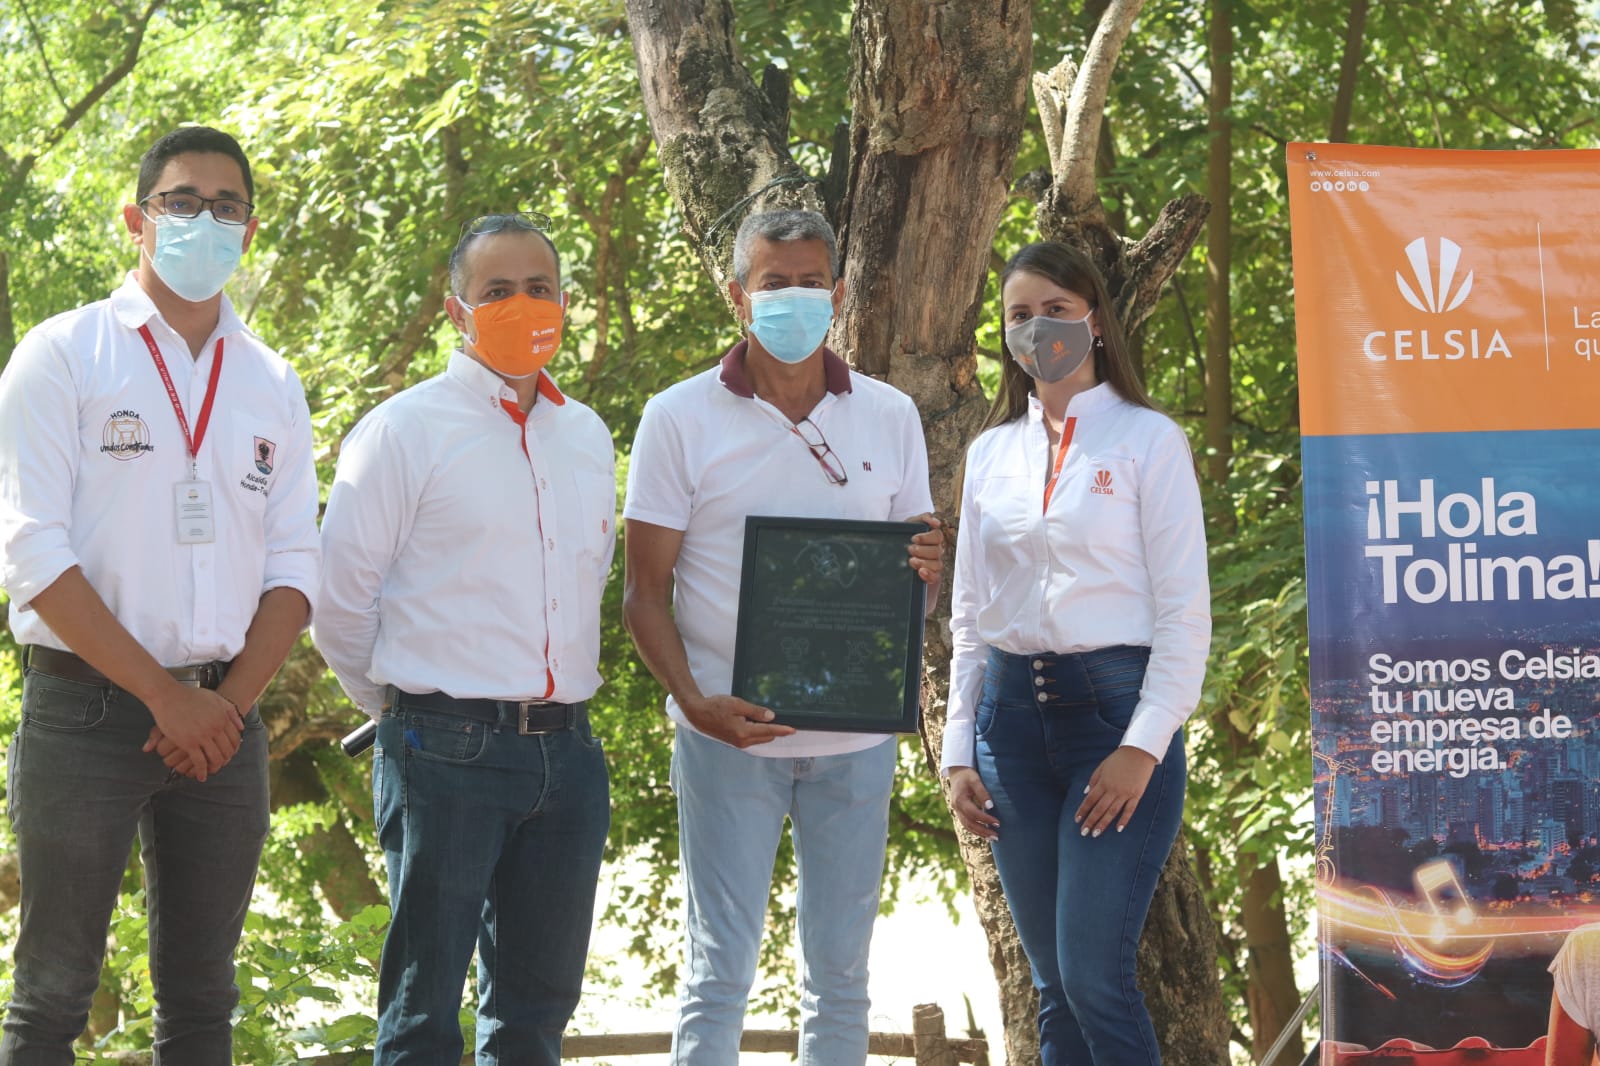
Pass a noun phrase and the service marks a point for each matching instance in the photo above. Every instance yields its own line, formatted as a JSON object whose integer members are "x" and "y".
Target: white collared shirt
{"x": 465, "y": 554}
{"x": 90, "y": 452}
{"x": 1119, "y": 559}
{"x": 709, "y": 452}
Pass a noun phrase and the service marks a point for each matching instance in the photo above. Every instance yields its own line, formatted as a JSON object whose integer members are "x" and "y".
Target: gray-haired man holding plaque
{"x": 780, "y": 427}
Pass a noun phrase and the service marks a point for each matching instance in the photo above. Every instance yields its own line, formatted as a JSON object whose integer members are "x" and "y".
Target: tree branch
{"x": 408, "y": 341}
{"x": 130, "y": 58}
{"x": 1349, "y": 68}
{"x": 44, "y": 55}
{"x": 1086, "y": 107}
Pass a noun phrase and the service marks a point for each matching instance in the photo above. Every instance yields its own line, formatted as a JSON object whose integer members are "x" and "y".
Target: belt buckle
{"x": 525, "y": 730}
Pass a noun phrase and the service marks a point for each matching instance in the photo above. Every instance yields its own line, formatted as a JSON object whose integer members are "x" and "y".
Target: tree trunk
{"x": 938, "y": 94}
{"x": 1219, "y": 250}
{"x": 1349, "y": 67}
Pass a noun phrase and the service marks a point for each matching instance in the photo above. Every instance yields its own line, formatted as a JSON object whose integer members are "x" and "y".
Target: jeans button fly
{"x": 1043, "y": 697}
{"x": 1038, "y": 664}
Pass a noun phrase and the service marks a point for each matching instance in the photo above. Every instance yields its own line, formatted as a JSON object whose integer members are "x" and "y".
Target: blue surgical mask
{"x": 194, "y": 257}
{"x": 1050, "y": 349}
{"x": 791, "y": 323}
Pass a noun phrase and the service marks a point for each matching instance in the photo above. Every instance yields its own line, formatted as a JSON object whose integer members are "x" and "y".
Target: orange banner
{"x": 1429, "y": 301}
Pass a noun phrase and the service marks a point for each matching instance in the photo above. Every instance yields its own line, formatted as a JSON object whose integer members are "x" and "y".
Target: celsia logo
{"x": 1436, "y": 286}
{"x": 1102, "y": 483}
{"x": 1432, "y": 299}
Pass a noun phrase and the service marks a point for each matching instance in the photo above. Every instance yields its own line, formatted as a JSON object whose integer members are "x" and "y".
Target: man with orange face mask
{"x": 467, "y": 540}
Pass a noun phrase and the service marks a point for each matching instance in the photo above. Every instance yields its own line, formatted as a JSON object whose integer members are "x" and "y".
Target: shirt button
{"x": 1038, "y": 664}
{"x": 553, "y": 605}
{"x": 543, "y": 484}
{"x": 550, "y": 542}
{"x": 1043, "y": 697}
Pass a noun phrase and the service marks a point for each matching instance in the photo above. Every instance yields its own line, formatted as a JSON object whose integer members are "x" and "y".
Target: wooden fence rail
{"x": 927, "y": 1045}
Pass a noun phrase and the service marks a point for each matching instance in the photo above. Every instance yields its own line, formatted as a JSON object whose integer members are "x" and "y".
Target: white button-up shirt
{"x": 709, "y": 452}
{"x": 90, "y": 452}
{"x": 1119, "y": 559}
{"x": 465, "y": 553}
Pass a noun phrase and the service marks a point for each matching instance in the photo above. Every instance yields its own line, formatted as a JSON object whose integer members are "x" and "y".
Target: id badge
{"x": 196, "y": 521}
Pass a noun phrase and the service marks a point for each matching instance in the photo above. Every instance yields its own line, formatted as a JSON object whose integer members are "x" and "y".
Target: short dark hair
{"x": 487, "y": 226}
{"x": 190, "y": 139}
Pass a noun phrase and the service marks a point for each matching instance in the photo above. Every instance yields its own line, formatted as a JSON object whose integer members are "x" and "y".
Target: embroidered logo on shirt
{"x": 125, "y": 436}
{"x": 1102, "y": 483}
{"x": 265, "y": 450}
{"x": 866, "y": 466}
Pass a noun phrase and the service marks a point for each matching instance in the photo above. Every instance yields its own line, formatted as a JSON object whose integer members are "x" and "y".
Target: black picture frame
{"x": 831, "y": 624}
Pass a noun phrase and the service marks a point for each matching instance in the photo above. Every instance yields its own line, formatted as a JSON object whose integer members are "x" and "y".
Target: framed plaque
{"x": 830, "y": 624}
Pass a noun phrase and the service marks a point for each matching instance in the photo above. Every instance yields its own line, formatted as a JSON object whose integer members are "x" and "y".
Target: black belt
{"x": 65, "y": 665}
{"x": 532, "y": 717}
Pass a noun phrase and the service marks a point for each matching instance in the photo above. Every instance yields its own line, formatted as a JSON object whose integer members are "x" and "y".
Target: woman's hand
{"x": 1114, "y": 790}
{"x": 971, "y": 804}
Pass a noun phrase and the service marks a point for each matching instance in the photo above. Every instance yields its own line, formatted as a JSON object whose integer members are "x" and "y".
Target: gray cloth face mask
{"x": 1050, "y": 349}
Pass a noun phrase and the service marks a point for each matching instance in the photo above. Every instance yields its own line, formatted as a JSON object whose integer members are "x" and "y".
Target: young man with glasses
{"x": 780, "y": 427}
{"x": 467, "y": 540}
{"x": 158, "y": 505}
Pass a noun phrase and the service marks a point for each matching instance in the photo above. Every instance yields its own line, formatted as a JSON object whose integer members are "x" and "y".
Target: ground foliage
{"x": 377, "y": 127}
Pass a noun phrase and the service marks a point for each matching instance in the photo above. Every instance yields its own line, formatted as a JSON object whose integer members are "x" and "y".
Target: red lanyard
{"x": 1061, "y": 453}
{"x": 191, "y": 442}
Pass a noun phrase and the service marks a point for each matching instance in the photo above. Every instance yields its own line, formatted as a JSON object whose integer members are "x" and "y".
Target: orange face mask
{"x": 516, "y": 336}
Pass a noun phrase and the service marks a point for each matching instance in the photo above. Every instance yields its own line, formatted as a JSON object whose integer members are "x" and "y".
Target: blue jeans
{"x": 79, "y": 789}
{"x": 493, "y": 840}
{"x": 731, "y": 807}
{"x": 1079, "y": 902}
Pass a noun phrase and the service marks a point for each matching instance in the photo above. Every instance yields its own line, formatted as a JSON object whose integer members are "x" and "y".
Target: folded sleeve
{"x": 39, "y": 453}
{"x": 293, "y": 550}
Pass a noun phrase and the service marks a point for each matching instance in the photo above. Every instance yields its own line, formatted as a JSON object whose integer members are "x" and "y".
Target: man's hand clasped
{"x": 196, "y": 732}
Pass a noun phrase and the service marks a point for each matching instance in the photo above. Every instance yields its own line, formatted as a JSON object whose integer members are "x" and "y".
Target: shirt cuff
{"x": 958, "y": 747}
{"x": 26, "y": 577}
{"x": 293, "y": 570}
{"x": 1152, "y": 730}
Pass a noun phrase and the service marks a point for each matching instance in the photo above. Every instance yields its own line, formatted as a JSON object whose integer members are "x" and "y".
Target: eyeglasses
{"x": 524, "y": 221}
{"x": 825, "y": 456}
{"x": 224, "y": 209}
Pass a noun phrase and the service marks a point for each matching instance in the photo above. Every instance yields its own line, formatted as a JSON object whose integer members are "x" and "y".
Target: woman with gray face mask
{"x": 1081, "y": 622}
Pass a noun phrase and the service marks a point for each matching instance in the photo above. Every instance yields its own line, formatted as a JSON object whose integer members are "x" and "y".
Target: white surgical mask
{"x": 195, "y": 257}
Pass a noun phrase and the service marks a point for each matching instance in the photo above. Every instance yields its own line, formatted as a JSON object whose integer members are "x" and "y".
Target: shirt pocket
{"x": 1108, "y": 502}
{"x": 597, "y": 513}
{"x": 250, "y": 452}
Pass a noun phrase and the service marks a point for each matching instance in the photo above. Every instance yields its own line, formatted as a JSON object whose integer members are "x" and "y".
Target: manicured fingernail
{"x": 1085, "y": 790}
{"x": 988, "y": 805}
{"x": 1097, "y": 832}
{"x": 1085, "y": 832}
{"x": 1120, "y": 828}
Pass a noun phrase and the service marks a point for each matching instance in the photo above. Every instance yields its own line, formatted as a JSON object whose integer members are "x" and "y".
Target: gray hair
{"x": 484, "y": 226}
{"x": 789, "y": 225}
